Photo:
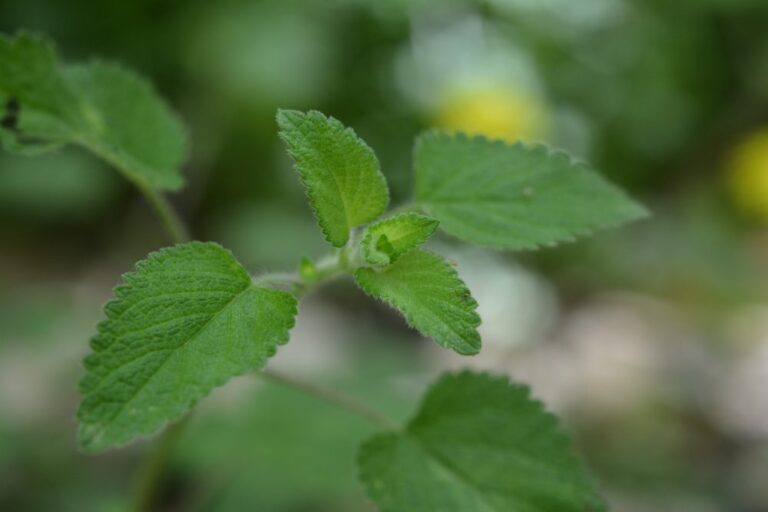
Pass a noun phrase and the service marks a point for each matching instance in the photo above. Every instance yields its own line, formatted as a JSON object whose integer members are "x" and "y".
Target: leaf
{"x": 184, "y": 322}
{"x": 128, "y": 125}
{"x": 386, "y": 240}
{"x": 429, "y": 293}
{"x": 37, "y": 101}
{"x": 103, "y": 107}
{"x": 340, "y": 172}
{"x": 479, "y": 443}
{"x": 513, "y": 196}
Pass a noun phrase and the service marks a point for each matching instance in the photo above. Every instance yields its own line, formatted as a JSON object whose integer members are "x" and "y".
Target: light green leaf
{"x": 429, "y": 293}
{"x": 340, "y": 172}
{"x": 480, "y": 444}
{"x": 184, "y": 322}
{"x": 513, "y": 196}
{"x": 386, "y": 240}
{"x": 102, "y": 107}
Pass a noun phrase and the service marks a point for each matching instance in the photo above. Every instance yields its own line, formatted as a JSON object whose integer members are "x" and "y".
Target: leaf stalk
{"x": 167, "y": 215}
{"x": 331, "y": 396}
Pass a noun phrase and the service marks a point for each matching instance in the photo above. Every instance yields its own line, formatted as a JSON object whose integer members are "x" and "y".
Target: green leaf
{"x": 103, "y": 107}
{"x": 183, "y": 323}
{"x": 128, "y": 125}
{"x": 513, "y": 196}
{"x": 386, "y": 240}
{"x": 340, "y": 172}
{"x": 481, "y": 444}
{"x": 37, "y": 101}
{"x": 429, "y": 293}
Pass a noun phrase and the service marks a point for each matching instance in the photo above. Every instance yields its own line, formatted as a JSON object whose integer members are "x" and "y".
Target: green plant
{"x": 190, "y": 316}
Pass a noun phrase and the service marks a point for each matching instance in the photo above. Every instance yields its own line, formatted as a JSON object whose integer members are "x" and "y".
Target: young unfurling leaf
{"x": 386, "y": 240}
{"x": 187, "y": 320}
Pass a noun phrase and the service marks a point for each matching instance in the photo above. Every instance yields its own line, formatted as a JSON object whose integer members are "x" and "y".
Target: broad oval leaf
{"x": 340, "y": 172}
{"x": 431, "y": 296}
{"x": 513, "y": 196}
{"x": 477, "y": 443}
{"x": 184, "y": 322}
{"x": 383, "y": 242}
{"x": 103, "y": 107}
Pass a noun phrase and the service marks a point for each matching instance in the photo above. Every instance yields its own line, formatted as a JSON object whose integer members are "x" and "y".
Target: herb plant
{"x": 190, "y": 316}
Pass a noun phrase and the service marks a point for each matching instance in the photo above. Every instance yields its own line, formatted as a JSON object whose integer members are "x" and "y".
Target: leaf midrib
{"x": 171, "y": 352}
{"x": 457, "y": 475}
{"x": 434, "y": 313}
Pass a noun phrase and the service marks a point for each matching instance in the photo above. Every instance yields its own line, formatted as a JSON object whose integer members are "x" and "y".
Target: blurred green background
{"x": 650, "y": 341}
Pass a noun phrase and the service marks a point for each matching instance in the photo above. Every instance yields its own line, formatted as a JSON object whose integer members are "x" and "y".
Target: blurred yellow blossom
{"x": 747, "y": 175}
{"x": 494, "y": 111}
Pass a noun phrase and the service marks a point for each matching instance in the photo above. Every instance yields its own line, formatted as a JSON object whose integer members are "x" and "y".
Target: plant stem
{"x": 332, "y": 397}
{"x": 165, "y": 213}
{"x": 150, "y": 476}
{"x": 324, "y": 270}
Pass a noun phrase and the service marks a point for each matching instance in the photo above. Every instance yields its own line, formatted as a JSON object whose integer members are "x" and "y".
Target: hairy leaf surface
{"x": 513, "y": 196}
{"x": 340, "y": 172}
{"x": 477, "y": 443}
{"x": 386, "y": 240}
{"x": 102, "y": 107}
{"x": 184, "y": 322}
{"x": 428, "y": 292}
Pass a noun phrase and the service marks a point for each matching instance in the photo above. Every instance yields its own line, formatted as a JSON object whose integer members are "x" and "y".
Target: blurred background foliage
{"x": 651, "y": 341}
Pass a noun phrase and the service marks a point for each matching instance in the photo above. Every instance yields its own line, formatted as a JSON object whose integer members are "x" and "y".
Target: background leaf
{"x": 184, "y": 322}
{"x": 103, "y": 107}
{"x": 429, "y": 293}
{"x": 513, "y": 196}
{"x": 340, "y": 172}
{"x": 128, "y": 125}
{"x": 478, "y": 443}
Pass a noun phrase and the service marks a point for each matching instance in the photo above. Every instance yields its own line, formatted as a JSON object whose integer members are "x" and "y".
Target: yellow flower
{"x": 747, "y": 176}
{"x": 496, "y": 112}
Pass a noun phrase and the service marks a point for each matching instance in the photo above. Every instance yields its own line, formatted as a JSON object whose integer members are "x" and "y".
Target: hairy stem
{"x": 168, "y": 217}
{"x": 332, "y": 397}
{"x": 151, "y": 474}
{"x": 299, "y": 283}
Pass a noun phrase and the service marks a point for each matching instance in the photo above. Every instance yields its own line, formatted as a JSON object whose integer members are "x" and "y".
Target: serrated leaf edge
{"x": 347, "y": 129}
{"x": 367, "y": 479}
{"x": 641, "y": 212}
{"x": 121, "y": 289}
{"x": 397, "y": 306}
